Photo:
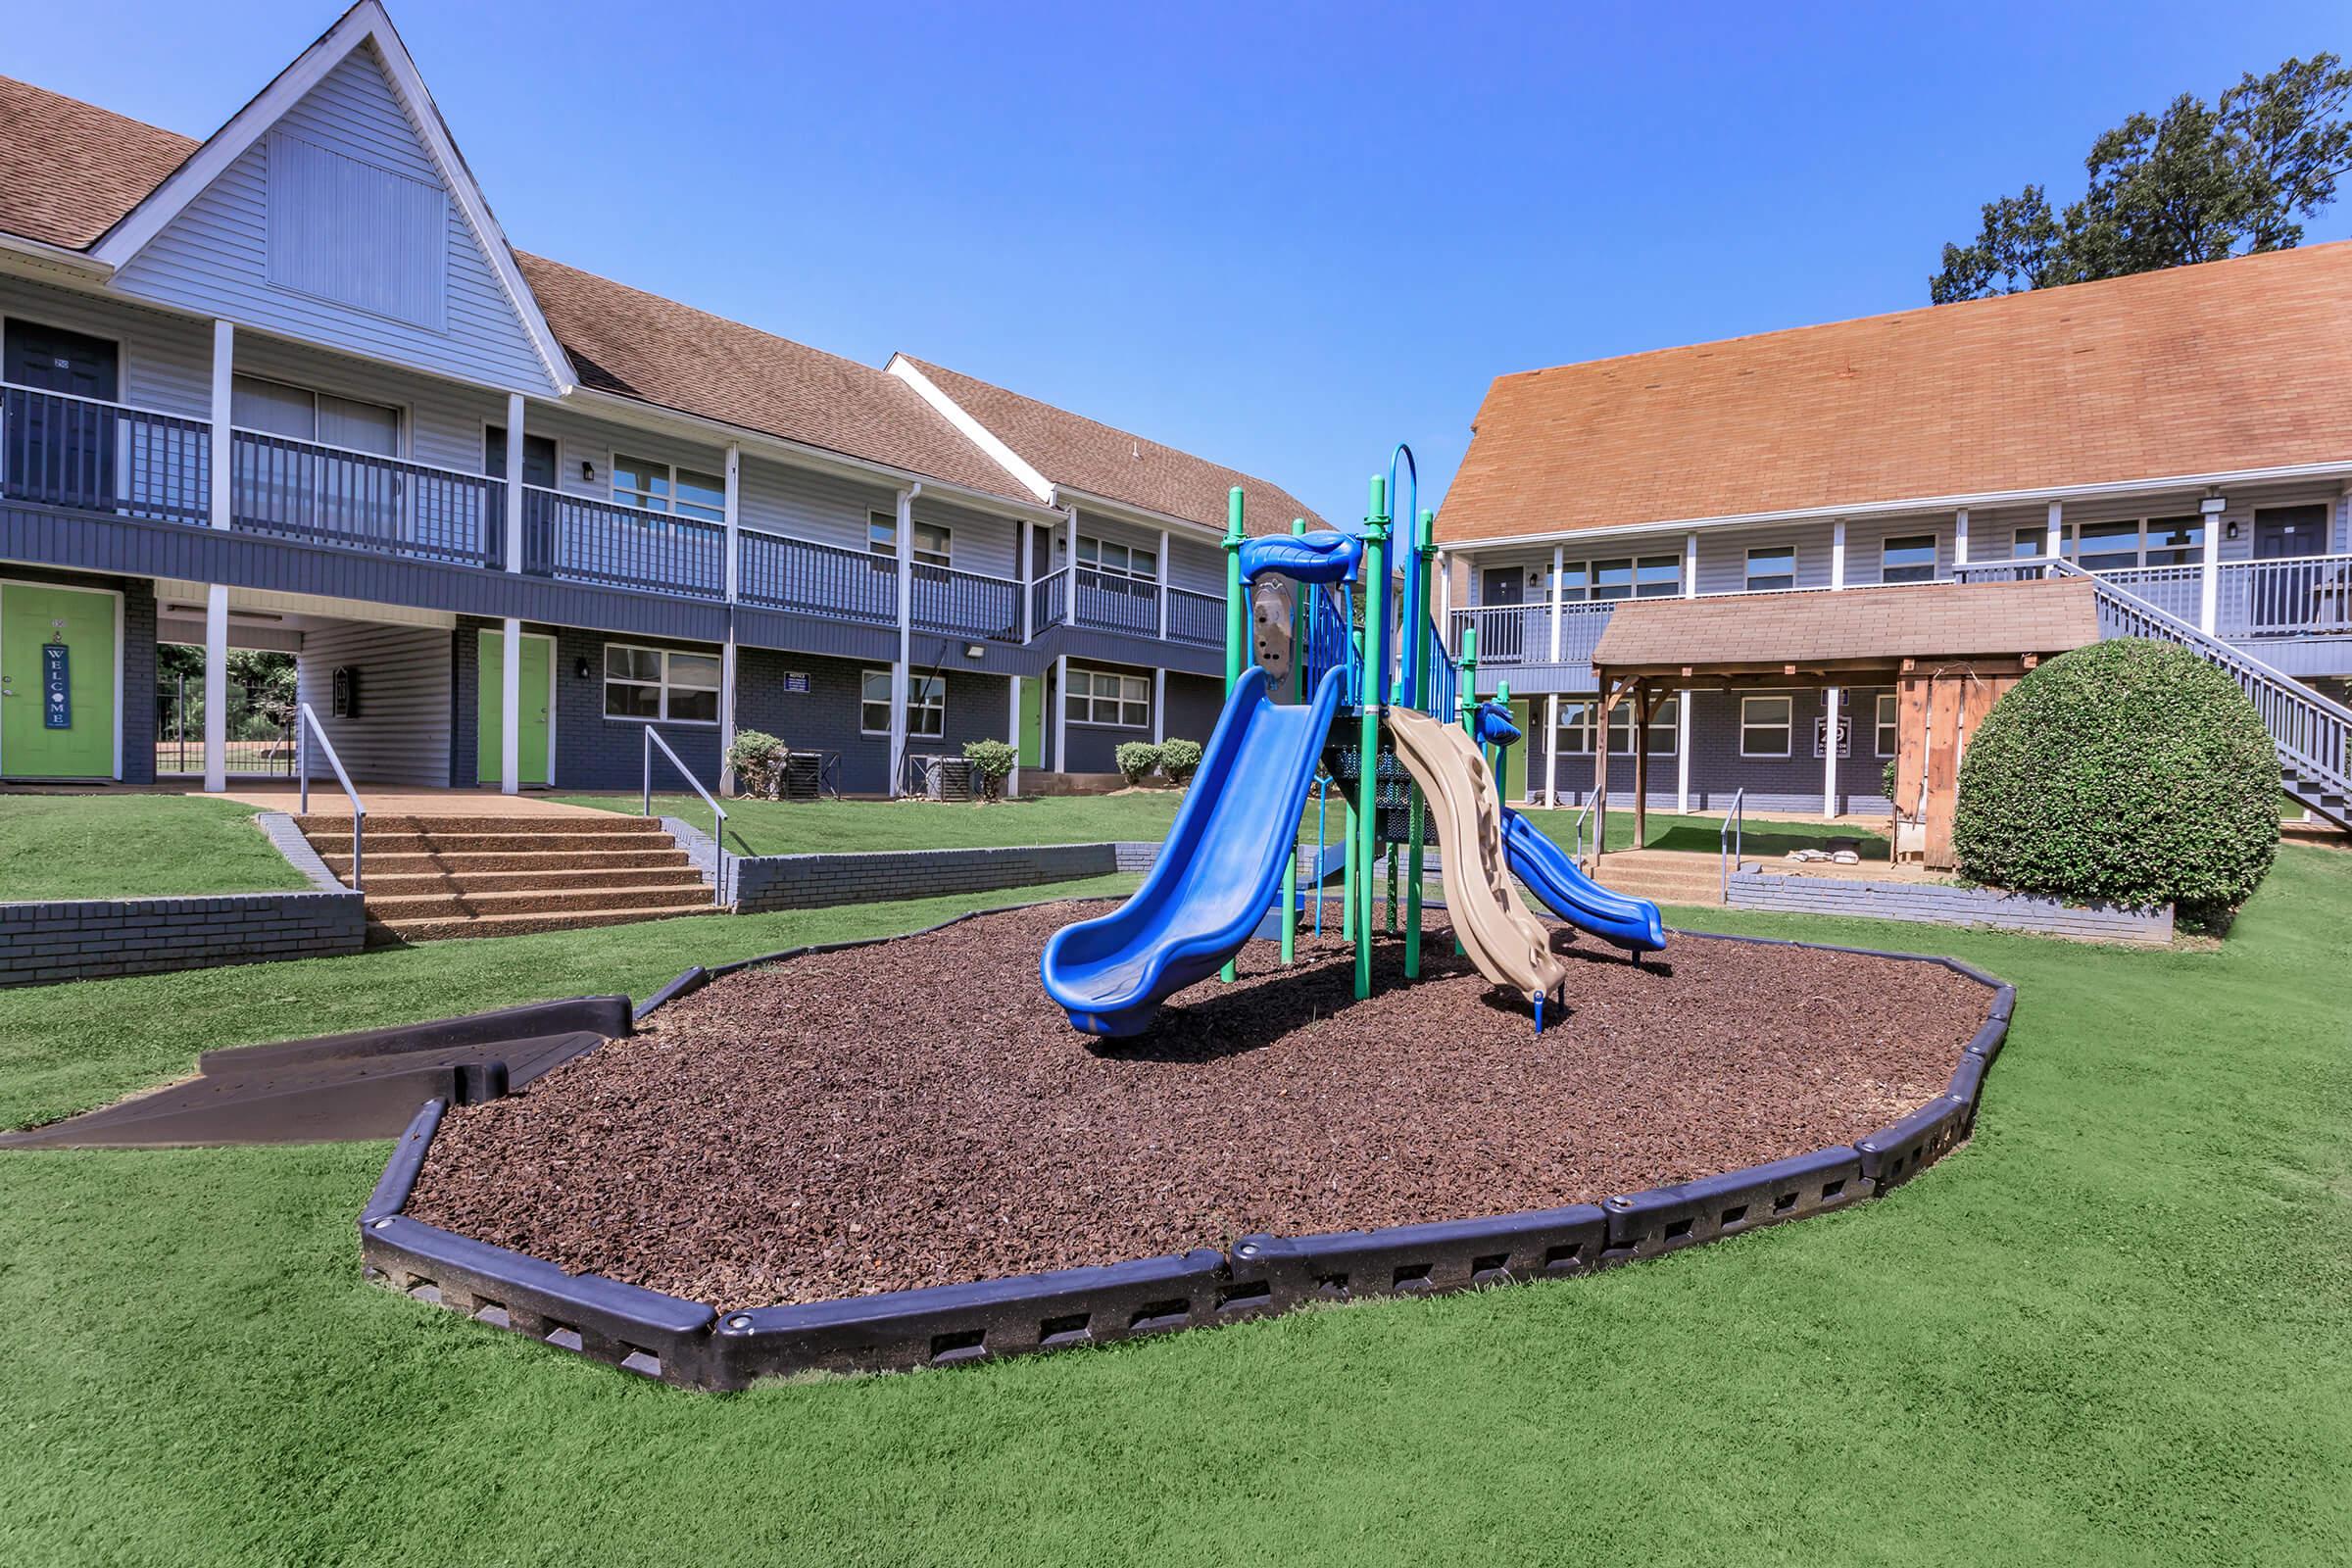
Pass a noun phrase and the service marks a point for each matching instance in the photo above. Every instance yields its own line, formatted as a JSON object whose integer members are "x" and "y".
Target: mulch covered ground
{"x": 920, "y": 1114}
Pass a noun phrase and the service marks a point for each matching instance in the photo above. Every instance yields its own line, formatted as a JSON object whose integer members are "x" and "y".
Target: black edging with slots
{"x": 691, "y": 1345}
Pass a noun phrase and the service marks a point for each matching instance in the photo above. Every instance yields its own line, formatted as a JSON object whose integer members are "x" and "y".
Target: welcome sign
{"x": 57, "y": 687}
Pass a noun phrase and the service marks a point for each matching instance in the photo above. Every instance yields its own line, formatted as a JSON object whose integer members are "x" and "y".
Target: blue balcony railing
{"x": 1117, "y": 602}
{"x": 577, "y": 539}
{"x": 785, "y": 574}
{"x": 302, "y": 490}
{"x": 966, "y": 603}
{"x": 1196, "y": 618}
{"x": 63, "y": 451}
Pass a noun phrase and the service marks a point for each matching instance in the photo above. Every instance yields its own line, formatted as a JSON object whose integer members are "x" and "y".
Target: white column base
{"x": 216, "y": 688}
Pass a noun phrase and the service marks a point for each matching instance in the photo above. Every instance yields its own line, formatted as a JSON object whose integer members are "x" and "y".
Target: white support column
{"x": 1059, "y": 697}
{"x": 1070, "y": 583}
{"x": 1690, "y": 564}
{"x": 1012, "y": 700}
{"x": 510, "y": 710}
{"x": 2209, "y": 576}
{"x": 1557, "y": 611}
{"x": 734, "y": 583}
{"x": 2054, "y": 542}
{"x": 1681, "y": 750}
{"x": 1838, "y": 555}
{"x": 515, "y": 447}
{"x": 1829, "y": 749}
{"x": 899, "y": 666}
{"x": 1960, "y": 537}
{"x": 1552, "y": 751}
{"x": 216, "y": 599}
{"x": 1159, "y": 705}
{"x": 1162, "y": 559}
{"x": 1027, "y": 572}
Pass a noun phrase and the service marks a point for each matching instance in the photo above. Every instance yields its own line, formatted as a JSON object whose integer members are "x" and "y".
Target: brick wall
{"x": 817, "y": 881}
{"x": 90, "y": 939}
{"x": 1940, "y": 904}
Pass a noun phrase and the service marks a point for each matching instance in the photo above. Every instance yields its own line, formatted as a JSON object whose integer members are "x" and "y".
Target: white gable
{"x": 338, "y": 225}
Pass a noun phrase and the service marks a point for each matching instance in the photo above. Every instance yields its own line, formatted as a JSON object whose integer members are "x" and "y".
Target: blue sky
{"x": 1282, "y": 236}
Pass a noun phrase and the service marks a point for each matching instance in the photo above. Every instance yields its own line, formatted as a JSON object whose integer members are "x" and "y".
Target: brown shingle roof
{"x": 1924, "y": 621}
{"x": 68, "y": 170}
{"x": 1082, "y": 454}
{"x": 2222, "y": 368}
{"x": 640, "y": 345}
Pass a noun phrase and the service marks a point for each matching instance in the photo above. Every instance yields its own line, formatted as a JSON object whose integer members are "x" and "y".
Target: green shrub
{"x": 2129, "y": 771}
{"x": 1135, "y": 760}
{"x": 758, "y": 758}
{"x": 1178, "y": 759}
{"x": 992, "y": 762}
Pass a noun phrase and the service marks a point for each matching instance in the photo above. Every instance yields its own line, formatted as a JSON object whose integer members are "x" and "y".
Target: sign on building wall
{"x": 57, "y": 687}
{"x": 1845, "y": 735}
{"x": 795, "y": 680}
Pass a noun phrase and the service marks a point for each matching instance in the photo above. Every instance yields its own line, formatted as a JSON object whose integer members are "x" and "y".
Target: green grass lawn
{"x": 2116, "y": 1328}
{"x": 133, "y": 846}
{"x": 805, "y": 827}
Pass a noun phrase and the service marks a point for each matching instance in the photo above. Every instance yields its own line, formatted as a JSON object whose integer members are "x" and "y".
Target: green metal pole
{"x": 1375, "y": 690}
{"x": 1290, "y": 880}
{"x": 1424, "y": 662}
{"x": 1502, "y": 754}
{"x": 1467, "y": 694}
{"x": 1237, "y": 616}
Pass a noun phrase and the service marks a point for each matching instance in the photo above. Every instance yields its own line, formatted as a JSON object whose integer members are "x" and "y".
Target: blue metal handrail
{"x": 1331, "y": 641}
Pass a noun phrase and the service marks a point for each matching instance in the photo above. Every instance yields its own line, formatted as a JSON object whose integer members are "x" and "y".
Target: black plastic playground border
{"x": 691, "y": 1345}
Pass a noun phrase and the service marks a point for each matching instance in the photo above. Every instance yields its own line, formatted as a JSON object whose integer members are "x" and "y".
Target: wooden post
{"x": 1601, "y": 775}
{"x": 1640, "y": 765}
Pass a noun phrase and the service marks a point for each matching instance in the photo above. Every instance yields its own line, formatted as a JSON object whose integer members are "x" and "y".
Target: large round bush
{"x": 2127, "y": 771}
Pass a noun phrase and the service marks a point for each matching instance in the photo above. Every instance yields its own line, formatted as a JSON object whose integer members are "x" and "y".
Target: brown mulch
{"x": 920, "y": 1113}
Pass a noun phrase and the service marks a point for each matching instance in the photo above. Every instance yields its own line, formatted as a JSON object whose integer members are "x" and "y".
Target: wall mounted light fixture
{"x": 580, "y": 668}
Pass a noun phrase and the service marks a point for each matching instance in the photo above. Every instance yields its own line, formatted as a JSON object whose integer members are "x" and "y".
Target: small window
{"x": 2175, "y": 540}
{"x": 1658, "y": 577}
{"x": 2108, "y": 545}
{"x": 661, "y": 683}
{"x": 926, "y": 704}
{"x": 1612, "y": 579}
{"x": 2029, "y": 543}
{"x": 1886, "y": 728}
{"x": 1662, "y": 728}
{"x": 299, "y": 414}
{"x": 1108, "y": 698}
{"x": 1771, "y": 567}
{"x": 1765, "y": 726}
{"x": 1574, "y": 582}
{"x": 1908, "y": 559}
{"x": 661, "y": 488}
{"x": 1576, "y": 727}
{"x": 1114, "y": 560}
{"x": 931, "y": 541}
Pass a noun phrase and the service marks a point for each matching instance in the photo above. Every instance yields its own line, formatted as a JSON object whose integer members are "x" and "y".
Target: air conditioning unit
{"x": 936, "y": 776}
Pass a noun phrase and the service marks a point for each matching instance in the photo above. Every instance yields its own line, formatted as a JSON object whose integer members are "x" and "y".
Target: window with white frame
{"x": 1766, "y": 725}
{"x": 2107, "y": 546}
{"x": 2028, "y": 543}
{"x": 1642, "y": 577}
{"x": 1116, "y": 560}
{"x": 1887, "y": 725}
{"x": 932, "y": 543}
{"x": 661, "y": 683}
{"x": 1573, "y": 582}
{"x": 1771, "y": 567}
{"x": 1907, "y": 557}
{"x": 1662, "y": 728}
{"x": 926, "y": 704}
{"x": 276, "y": 408}
{"x": 2175, "y": 540}
{"x": 1108, "y": 698}
{"x": 664, "y": 487}
{"x": 1575, "y": 729}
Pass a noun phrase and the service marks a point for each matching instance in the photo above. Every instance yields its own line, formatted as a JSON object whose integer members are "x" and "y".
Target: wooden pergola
{"x": 1949, "y": 649}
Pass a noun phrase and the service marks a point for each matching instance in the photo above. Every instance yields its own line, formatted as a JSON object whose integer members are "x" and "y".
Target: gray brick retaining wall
{"x": 1939, "y": 905}
{"x": 90, "y": 939}
{"x": 819, "y": 881}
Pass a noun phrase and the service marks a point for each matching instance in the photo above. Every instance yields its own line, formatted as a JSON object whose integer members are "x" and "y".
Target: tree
{"x": 2202, "y": 183}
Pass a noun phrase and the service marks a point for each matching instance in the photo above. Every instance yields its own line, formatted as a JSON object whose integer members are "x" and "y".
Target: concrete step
{"x": 387, "y": 884}
{"x": 396, "y": 906}
{"x": 418, "y": 862}
{"x": 446, "y": 928}
{"x": 481, "y": 822}
{"x": 407, "y": 843}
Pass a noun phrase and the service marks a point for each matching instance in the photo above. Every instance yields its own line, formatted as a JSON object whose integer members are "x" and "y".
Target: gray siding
{"x": 401, "y": 731}
{"x": 166, "y": 360}
{"x": 806, "y": 505}
{"x": 215, "y": 258}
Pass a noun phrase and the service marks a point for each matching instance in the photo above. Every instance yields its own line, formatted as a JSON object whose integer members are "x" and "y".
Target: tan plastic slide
{"x": 1494, "y": 923}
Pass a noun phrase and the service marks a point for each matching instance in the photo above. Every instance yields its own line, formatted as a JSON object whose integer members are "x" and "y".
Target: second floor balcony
{"x": 92, "y": 456}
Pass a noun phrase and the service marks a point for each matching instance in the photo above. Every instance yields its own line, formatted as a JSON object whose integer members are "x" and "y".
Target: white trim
{"x": 1748, "y": 569}
{"x": 971, "y": 428}
{"x": 1681, "y": 750}
{"x": 903, "y": 700}
{"x": 56, "y": 256}
{"x": 517, "y": 460}
{"x": 288, "y": 604}
{"x": 364, "y": 23}
{"x": 1877, "y": 724}
{"x": 1838, "y": 555}
{"x": 1942, "y": 502}
{"x": 1787, "y": 751}
{"x": 117, "y": 595}
{"x": 663, "y": 685}
{"x": 216, "y": 689}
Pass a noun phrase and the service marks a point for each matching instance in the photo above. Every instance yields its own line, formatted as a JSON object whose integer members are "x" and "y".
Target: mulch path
{"x": 920, "y": 1114}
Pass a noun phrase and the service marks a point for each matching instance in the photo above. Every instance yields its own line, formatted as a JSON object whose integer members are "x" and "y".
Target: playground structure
{"x": 1350, "y": 686}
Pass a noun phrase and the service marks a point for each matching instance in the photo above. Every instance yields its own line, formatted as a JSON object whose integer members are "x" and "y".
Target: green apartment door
{"x": 538, "y": 691}
{"x": 1032, "y": 740}
{"x": 57, "y": 682}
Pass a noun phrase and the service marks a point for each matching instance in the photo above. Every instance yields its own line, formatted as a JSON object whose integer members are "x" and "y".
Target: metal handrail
{"x": 305, "y": 723}
{"x": 1730, "y": 839}
{"x": 1576, "y": 847}
{"x": 718, "y": 826}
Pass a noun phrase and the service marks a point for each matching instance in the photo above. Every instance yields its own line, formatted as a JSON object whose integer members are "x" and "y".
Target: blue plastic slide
{"x": 1547, "y": 871}
{"x": 1220, "y": 871}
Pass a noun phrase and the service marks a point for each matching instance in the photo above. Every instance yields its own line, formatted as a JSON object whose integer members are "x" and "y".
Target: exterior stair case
{"x": 430, "y": 877}
{"x": 2313, "y": 732}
